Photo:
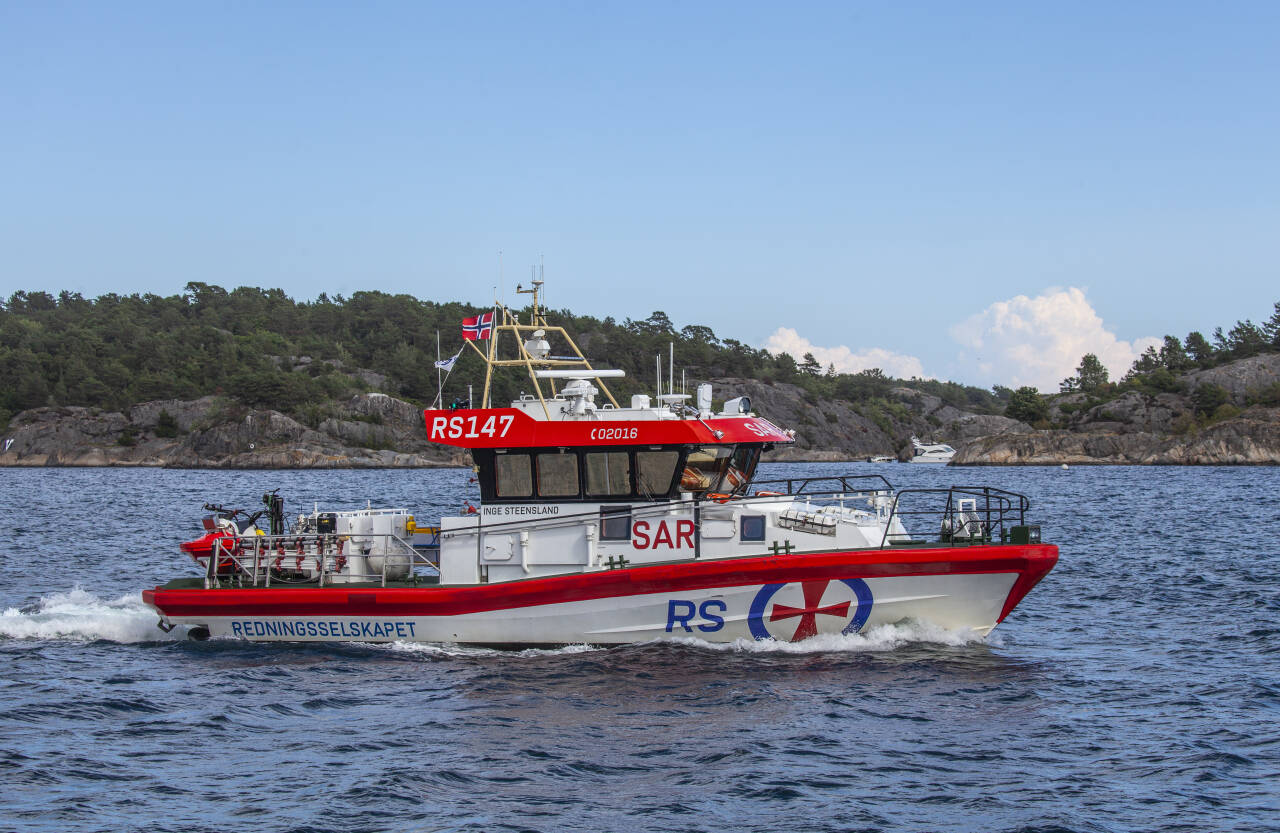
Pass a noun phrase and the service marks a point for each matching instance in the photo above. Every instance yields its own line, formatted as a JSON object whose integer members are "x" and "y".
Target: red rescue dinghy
{"x": 607, "y": 524}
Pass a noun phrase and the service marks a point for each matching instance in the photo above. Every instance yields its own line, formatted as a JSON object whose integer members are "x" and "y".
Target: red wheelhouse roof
{"x": 513, "y": 428}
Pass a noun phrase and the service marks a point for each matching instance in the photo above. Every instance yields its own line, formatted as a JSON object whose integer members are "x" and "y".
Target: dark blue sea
{"x": 1136, "y": 689}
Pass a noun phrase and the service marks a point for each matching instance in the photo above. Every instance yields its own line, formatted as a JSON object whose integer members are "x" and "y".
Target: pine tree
{"x": 1199, "y": 349}
{"x": 1091, "y": 374}
{"x": 1172, "y": 356}
{"x": 1271, "y": 328}
{"x": 1220, "y": 343}
{"x": 1147, "y": 362}
{"x": 1246, "y": 339}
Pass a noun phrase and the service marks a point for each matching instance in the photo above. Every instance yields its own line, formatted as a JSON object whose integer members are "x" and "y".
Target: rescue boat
{"x": 605, "y": 523}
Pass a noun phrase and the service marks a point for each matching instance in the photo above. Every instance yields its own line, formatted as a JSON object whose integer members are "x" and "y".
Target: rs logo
{"x": 680, "y": 611}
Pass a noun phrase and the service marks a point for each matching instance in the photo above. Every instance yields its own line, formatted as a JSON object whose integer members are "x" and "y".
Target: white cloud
{"x": 787, "y": 340}
{"x": 1039, "y": 341}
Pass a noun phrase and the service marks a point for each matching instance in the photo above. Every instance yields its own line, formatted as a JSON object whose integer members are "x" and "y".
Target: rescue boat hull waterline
{"x": 786, "y": 598}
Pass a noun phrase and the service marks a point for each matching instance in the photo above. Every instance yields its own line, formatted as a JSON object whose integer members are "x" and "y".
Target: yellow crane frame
{"x": 510, "y": 324}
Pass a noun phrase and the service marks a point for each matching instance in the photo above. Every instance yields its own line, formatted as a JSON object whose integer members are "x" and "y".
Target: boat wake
{"x": 446, "y": 650}
{"x": 882, "y": 638}
{"x": 82, "y": 616}
{"x": 877, "y": 639}
{"x": 79, "y": 615}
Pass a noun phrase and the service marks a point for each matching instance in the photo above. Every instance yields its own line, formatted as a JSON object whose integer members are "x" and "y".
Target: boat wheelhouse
{"x": 604, "y": 523}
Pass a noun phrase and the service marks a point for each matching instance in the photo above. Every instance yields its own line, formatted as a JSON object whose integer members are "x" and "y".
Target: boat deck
{"x": 424, "y": 581}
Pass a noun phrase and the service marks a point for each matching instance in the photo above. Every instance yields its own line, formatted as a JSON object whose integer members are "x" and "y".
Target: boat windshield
{"x": 742, "y": 468}
{"x": 719, "y": 468}
{"x": 615, "y": 473}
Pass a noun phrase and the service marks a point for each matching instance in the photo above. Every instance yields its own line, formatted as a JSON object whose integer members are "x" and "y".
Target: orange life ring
{"x": 719, "y": 497}
{"x": 693, "y": 480}
{"x": 768, "y": 494}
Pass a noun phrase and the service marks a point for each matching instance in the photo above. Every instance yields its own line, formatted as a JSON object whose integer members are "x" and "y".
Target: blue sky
{"x": 975, "y": 190}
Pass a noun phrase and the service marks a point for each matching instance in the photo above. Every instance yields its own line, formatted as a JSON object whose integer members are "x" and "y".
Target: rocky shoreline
{"x": 1251, "y": 440}
{"x": 374, "y": 430}
{"x": 369, "y": 431}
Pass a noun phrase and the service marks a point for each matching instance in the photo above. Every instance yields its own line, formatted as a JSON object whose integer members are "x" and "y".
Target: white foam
{"x": 447, "y": 650}
{"x": 83, "y": 616}
{"x": 877, "y": 639}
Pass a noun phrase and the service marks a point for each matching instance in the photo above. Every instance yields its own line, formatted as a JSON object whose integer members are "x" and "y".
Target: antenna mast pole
{"x": 671, "y": 368}
{"x": 439, "y": 378}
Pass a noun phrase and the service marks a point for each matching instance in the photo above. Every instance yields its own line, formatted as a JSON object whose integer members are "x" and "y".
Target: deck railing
{"x": 650, "y": 510}
{"x": 970, "y": 514}
{"x": 264, "y": 560}
{"x": 800, "y": 485}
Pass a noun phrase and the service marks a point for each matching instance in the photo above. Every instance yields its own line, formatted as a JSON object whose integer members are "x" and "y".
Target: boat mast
{"x": 671, "y": 368}
{"x": 439, "y": 376}
{"x": 505, "y": 320}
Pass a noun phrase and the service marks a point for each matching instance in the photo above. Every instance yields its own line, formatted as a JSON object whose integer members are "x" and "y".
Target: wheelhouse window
{"x": 752, "y": 528}
{"x": 615, "y": 523}
{"x": 704, "y": 468}
{"x": 557, "y": 475}
{"x": 654, "y": 471}
{"x": 513, "y": 477}
{"x": 638, "y": 473}
{"x": 608, "y": 473}
{"x": 742, "y": 467}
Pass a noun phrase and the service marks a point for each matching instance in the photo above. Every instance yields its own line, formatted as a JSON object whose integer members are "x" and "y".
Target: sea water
{"x": 1137, "y": 688}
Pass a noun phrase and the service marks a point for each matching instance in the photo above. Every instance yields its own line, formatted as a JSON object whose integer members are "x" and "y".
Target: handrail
{"x": 1006, "y": 503}
{"x": 646, "y": 509}
{"x": 257, "y": 558}
{"x": 842, "y": 479}
{"x": 253, "y": 557}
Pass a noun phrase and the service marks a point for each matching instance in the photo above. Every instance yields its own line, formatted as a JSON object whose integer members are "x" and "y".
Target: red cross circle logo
{"x": 808, "y": 624}
{"x": 818, "y": 606}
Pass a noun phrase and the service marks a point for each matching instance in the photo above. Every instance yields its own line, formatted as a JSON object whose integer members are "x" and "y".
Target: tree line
{"x": 265, "y": 349}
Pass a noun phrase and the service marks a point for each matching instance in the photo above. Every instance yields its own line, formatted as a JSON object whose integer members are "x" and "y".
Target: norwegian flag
{"x": 478, "y": 328}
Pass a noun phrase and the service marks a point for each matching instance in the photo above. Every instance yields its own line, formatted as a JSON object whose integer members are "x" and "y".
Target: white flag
{"x": 447, "y": 364}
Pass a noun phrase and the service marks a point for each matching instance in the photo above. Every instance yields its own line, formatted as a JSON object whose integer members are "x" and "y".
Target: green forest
{"x": 267, "y": 350}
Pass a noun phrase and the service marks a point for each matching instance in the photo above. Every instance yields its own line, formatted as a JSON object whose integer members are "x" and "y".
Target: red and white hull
{"x": 787, "y": 598}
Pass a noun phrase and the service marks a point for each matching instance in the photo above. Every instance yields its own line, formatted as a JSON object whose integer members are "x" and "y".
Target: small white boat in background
{"x": 932, "y": 452}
